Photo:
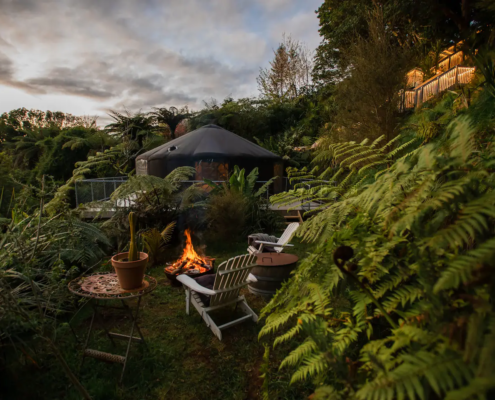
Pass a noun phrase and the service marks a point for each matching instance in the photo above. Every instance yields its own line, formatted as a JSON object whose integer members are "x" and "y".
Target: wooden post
{"x": 278, "y": 170}
{"x": 114, "y": 189}
{"x": 75, "y": 189}
{"x": 456, "y": 75}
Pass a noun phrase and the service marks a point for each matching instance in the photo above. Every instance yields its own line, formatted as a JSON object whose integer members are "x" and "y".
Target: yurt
{"x": 213, "y": 151}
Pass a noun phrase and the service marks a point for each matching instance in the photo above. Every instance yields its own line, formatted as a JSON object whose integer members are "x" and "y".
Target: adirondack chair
{"x": 231, "y": 276}
{"x": 280, "y": 244}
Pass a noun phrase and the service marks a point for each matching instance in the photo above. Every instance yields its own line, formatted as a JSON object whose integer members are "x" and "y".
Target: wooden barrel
{"x": 271, "y": 270}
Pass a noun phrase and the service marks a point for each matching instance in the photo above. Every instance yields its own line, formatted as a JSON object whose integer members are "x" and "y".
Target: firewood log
{"x": 179, "y": 269}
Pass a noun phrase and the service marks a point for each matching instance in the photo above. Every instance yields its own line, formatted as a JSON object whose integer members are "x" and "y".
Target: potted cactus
{"x": 130, "y": 266}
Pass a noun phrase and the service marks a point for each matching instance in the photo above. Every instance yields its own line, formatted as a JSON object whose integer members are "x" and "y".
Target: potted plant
{"x": 130, "y": 266}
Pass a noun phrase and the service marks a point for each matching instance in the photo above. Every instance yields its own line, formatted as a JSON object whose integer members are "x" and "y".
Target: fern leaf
{"x": 288, "y": 335}
{"x": 313, "y": 365}
{"x": 295, "y": 356}
{"x": 405, "y": 380}
{"x": 460, "y": 269}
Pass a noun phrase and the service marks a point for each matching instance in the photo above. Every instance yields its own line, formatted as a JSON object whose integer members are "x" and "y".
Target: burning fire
{"x": 190, "y": 261}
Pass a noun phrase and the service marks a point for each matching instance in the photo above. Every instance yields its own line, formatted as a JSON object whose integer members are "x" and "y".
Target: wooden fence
{"x": 449, "y": 79}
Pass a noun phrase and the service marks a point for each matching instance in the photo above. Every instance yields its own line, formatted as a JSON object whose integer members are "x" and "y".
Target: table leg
{"x": 129, "y": 311}
{"x": 134, "y": 319}
{"x": 97, "y": 314}
{"x": 86, "y": 342}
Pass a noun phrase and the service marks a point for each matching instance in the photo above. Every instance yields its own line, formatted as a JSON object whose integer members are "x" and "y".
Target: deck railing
{"x": 455, "y": 76}
{"x": 450, "y": 62}
{"x": 100, "y": 189}
{"x": 96, "y": 189}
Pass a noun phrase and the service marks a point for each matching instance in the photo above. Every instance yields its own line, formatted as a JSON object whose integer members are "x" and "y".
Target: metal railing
{"x": 100, "y": 189}
{"x": 97, "y": 189}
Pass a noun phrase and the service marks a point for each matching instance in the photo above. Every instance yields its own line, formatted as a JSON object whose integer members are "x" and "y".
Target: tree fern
{"x": 408, "y": 314}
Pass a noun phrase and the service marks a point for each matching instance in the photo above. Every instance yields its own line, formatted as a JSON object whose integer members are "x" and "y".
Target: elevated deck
{"x": 292, "y": 209}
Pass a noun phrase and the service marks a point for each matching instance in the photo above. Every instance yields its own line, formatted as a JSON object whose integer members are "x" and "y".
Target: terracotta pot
{"x": 130, "y": 273}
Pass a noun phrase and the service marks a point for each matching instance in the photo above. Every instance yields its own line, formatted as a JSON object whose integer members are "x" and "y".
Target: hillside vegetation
{"x": 395, "y": 300}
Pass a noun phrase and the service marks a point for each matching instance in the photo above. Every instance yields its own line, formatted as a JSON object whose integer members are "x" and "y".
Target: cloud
{"x": 144, "y": 53}
{"x": 6, "y": 67}
{"x": 7, "y": 76}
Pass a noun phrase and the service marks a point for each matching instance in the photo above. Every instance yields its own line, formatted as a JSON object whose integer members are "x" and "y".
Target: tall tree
{"x": 367, "y": 99}
{"x": 170, "y": 117}
{"x": 29, "y": 145}
{"x": 30, "y": 119}
{"x": 289, "y": 73}
{"x": 250, "y": 117}
{"x": 131, "y": 127}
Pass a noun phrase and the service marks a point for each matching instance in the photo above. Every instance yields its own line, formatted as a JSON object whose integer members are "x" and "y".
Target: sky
{"x": 85, "y": 57}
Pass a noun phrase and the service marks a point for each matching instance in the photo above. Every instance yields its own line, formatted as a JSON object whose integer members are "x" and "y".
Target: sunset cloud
{"x": 139, "y": 54}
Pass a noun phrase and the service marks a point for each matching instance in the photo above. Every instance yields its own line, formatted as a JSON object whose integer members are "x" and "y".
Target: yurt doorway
{"x": 212, "y": 169}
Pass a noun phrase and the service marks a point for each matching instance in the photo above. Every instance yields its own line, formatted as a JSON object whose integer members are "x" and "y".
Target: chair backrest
{"x": 231, "y": 277}
{"x": 284, "y": 239}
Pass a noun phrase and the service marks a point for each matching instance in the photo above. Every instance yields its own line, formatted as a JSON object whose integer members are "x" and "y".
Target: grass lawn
{"x": 184, "y": 360}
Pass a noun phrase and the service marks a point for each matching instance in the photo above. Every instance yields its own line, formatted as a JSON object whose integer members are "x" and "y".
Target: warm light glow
{"x": 190, "y": 260}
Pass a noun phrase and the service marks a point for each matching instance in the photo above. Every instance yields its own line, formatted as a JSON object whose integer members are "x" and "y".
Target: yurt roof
{"x": 209, "y": 141}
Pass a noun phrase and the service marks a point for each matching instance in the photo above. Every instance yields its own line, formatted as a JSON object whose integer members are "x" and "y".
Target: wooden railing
{"x": 440, "y": 83}
{"x": 450, "y": 62}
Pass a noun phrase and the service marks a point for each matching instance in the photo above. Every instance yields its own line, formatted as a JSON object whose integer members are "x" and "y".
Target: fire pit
{"x": 190, "y": 263}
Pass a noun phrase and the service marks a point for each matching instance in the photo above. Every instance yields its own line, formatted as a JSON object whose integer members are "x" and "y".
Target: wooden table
{"x": 100, "y": 288}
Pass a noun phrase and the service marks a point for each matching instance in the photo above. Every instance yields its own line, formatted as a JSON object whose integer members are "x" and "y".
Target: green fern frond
{"x": 476, "y": 389}
{"x": 402, "y": 296}
{"x": 328, "y": 393}
{"x": 295, "y": 356}
{"x": 313, "y": 365}
{"x": 460, "y": 270}
{"x": 276, "y": 321}
{"x": 443, "y": 372}
{"x": 290, "y": 334}
{"x": 471, "y": 221}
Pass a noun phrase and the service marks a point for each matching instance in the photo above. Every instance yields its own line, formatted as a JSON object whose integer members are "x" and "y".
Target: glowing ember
{"x": 190, "y": 262}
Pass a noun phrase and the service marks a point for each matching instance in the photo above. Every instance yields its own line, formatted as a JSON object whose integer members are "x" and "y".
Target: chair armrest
{"x": 193, "y": 285}
{"x": 274, "y": 244}
{"x": 251, "y": 278}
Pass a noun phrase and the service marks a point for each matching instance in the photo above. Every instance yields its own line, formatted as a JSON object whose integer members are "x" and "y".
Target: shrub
{"x": 227, "y": 214}
{"x": 259, "y": 217}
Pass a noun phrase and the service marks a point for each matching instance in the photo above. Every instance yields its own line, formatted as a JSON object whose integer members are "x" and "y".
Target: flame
{"x": 190, "y": 259}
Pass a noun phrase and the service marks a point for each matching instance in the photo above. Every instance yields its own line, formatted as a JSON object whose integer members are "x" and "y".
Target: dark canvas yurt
{"x": 213, "y": 151}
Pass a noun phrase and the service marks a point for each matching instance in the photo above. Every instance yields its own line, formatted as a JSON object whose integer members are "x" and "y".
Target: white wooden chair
{"x": 231, "y": 276}
{"x": 280, "y": 244}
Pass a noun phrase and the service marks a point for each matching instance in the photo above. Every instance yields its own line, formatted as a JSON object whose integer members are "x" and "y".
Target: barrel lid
{"x": 276, "y": 259}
